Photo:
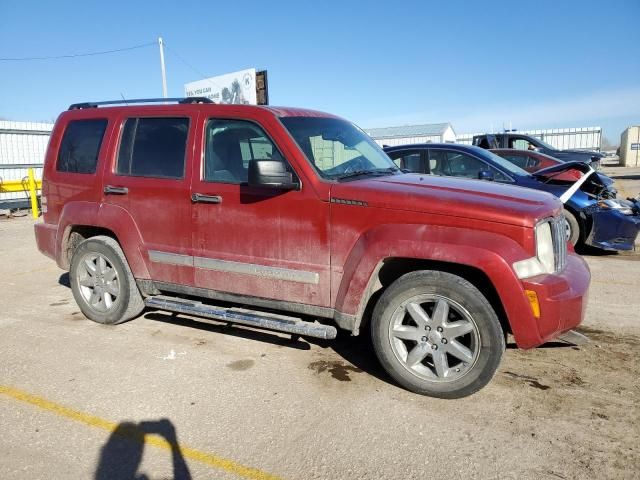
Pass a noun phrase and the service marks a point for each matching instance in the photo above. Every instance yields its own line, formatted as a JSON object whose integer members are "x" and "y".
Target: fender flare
{"x": 490, "y": 253}
{"x": 104, "y": 216}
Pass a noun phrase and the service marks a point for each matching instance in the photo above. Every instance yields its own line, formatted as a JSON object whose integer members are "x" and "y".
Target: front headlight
{"x": 544, "y": 261}
{"x": 623, "y": 206}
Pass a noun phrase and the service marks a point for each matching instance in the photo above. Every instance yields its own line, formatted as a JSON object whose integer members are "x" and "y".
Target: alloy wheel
{"x": 98, "y": 282}
{"x": 434, "y": 338}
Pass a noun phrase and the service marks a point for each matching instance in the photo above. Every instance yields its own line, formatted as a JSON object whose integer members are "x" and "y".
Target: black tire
{"x": 465, "y": 305}
{"x": 128, "y": 302}
{"x": 574, "y": 235}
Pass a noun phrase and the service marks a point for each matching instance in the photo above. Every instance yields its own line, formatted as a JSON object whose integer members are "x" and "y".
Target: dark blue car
{"x": 594, "y": 215}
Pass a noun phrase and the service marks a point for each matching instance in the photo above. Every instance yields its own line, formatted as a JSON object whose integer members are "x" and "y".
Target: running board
{"x": 251, "y": 318}
{"x": 573, "y": 337}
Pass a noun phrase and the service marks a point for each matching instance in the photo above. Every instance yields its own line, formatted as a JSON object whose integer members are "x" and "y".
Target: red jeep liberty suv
{"x": 291, "y": 220}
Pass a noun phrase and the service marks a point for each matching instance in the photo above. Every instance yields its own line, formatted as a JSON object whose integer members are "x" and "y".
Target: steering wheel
{"x": 354, "y": 165}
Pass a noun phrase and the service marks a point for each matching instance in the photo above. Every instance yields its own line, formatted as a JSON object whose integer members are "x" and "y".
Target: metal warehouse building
{"x": 22, "y": 145}
{"x": 434, "y": 132}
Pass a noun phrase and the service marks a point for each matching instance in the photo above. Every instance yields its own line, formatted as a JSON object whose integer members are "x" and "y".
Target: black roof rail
{"x": 185, "y": 100}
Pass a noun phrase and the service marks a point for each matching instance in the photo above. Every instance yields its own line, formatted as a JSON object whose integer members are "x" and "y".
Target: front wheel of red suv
{"x": 102, "y": 283}
{"x": 437, "y": 335}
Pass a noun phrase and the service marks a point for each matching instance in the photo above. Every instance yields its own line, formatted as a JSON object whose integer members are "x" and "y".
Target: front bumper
{"x": 563, "y": 300}
{"x": 613, "y": 230}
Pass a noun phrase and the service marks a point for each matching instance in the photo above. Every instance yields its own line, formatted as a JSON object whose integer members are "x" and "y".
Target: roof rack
{"x": 185, "y": 100}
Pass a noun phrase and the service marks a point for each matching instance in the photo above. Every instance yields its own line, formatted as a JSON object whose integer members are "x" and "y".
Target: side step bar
{"x": 252, "y": 318}
{"x": 574, "y": 338}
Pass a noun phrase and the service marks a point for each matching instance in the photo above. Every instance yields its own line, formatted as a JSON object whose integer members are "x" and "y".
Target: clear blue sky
{"x": 529, "y": 64}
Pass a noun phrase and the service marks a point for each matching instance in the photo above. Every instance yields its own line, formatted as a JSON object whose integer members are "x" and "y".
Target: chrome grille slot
{"x": 559, "y": 235}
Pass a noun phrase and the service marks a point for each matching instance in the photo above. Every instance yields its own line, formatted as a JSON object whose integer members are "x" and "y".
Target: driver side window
{"x": 231, "y": 145}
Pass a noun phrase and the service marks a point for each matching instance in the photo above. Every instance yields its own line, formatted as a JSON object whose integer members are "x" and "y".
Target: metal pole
{"x": 32, "y": 193}
{"x": 164, "y": 73}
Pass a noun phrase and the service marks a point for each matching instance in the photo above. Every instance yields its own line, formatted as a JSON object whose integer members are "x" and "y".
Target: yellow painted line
{"x": 153, "y": 440}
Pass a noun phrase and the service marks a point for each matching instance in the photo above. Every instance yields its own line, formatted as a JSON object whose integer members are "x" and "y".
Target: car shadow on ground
{"x": 512, "y": 345}
{"x": 121, "y": 456}
{"x": 233, "y": 330}
{"x": 64, "y": 280}
{"x": 356, "y": 351}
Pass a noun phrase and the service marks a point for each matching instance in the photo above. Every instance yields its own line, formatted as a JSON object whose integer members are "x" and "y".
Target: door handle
{"x": 110, "y": 189}
{"x": 201, "y": 198}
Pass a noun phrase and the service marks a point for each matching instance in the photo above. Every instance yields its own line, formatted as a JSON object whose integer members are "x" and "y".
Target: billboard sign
{"x": 232, "y": 88}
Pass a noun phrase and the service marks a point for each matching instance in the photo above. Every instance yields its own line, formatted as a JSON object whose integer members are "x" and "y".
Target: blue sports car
{"x": 594, "y": 215}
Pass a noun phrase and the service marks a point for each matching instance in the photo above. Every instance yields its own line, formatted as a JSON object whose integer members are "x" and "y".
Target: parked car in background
{"x": 520, "y": 141}
{"x": 294, "y": 220}
{"x": 532, "y": 161}
{"x": 594, "y": 215}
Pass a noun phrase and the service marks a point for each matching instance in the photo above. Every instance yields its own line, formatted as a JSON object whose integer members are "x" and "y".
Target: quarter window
{"x": 231, "y": 145}
{"x": 80, "y": 146}
{"x": 153, "y": 147}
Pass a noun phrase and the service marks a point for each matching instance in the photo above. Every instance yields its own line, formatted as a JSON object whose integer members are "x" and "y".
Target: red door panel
{"x": 258, "y": 242}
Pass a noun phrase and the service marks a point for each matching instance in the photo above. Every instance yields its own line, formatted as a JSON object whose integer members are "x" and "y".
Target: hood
{"x": 577, "y": 155}
{"x": 472, "y": 199}
{"x": 563, "y": 167}
{"x": 592, "y": 182}
{"x": 591, "y": 153}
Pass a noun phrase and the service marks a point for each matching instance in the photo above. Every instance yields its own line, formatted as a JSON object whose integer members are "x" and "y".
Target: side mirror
{"x": 271, "y": 174}
{"x": 485, "y": 175}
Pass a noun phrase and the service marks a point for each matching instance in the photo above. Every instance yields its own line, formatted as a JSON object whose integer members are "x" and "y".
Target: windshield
{"x": 338, "y": 149}
{"x": 505, "y": 165}
{"x": 544, "y": 144}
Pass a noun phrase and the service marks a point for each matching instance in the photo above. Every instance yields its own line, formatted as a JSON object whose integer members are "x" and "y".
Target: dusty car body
{"x": 295, "y": 220}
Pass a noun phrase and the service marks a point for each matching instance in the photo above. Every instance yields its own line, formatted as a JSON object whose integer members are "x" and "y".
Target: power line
{"x": 74, "y": 55}
{"x": 202, "y": 75}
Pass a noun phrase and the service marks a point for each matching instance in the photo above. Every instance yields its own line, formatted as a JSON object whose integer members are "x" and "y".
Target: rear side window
{"x": 80, "y": 146}
{"x": 153, "y": 147}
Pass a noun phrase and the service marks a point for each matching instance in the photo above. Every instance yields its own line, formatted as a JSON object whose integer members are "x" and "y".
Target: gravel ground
{"x": 299, "y": 409}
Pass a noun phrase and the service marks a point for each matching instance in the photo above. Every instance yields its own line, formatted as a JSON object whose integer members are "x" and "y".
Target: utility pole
{"x": 164, "y": 73}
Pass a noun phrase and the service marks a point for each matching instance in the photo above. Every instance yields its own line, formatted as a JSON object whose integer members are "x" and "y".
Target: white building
{"x": 433, "y": 132}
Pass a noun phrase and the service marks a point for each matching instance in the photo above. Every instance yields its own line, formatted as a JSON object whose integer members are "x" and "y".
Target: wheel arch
{"x": 390, "y": 269}
{"x": 82, "y": 220}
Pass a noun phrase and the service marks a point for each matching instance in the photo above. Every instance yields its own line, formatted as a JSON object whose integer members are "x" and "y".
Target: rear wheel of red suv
{"x": 102, "y": 283}
{"x": 437, "y": 335}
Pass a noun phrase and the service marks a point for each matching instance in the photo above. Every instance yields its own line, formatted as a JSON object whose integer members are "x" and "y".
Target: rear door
{"x": 149, "y": 178}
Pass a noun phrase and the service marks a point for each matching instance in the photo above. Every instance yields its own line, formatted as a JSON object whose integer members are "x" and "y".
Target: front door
{"x": 256, "y": 242}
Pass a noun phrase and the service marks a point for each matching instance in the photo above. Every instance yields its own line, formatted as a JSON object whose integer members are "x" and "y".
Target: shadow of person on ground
{"x": 120, "y": 457}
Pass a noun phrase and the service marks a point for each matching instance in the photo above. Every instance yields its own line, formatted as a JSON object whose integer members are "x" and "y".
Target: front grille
{"x": 559, "y": 236}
